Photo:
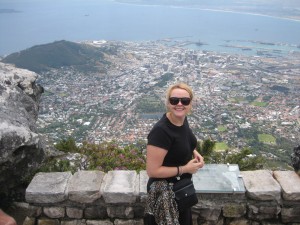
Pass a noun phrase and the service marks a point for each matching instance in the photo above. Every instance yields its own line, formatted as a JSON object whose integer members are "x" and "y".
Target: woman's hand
{"x": 191, "y": 167}
{"x": 195, "y": 164}
{"x": 198, "y": 157}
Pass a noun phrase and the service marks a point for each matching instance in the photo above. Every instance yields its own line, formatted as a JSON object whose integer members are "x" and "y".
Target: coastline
{"x": 211, "y": 9}
{"x": 212, "y": 25}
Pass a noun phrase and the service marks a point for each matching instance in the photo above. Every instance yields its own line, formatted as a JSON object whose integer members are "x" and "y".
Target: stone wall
{"x": 118, "y": 198}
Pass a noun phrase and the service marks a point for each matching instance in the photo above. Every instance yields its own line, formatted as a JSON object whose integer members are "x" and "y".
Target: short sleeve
{"x": 158, "y": 137}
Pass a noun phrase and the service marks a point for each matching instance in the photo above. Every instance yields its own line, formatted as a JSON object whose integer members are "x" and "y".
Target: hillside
{"x": 59, "y": 54}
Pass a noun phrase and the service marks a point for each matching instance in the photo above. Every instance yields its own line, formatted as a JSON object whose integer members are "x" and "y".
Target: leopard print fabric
{"x": 161, "y": 203}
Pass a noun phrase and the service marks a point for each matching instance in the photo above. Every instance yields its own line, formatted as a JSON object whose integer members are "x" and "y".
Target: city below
{"x": 241, "y": 101}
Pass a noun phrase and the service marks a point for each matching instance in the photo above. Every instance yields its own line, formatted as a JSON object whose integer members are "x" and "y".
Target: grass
{"x": 221, "y": 146}
{"x": 266, "y": 138}
{"x": 222, "y": 128}
{"x": 260, "y": 104}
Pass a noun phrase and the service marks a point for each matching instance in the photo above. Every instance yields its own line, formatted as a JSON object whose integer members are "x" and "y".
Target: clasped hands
{"x": 195, "y": 164}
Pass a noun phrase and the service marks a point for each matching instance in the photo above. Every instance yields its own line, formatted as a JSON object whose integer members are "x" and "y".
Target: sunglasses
{"x": 175, "y": 101}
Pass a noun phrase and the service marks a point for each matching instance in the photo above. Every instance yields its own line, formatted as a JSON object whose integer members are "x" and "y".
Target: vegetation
{"x": 58, "y": 54}
{"x": 245, "y": 159}
{"x": 222, "y": 128}
{"x": 163, "y": 80}
{"x": 104, "y": 157}
{"x": 260, "y": 104}
{"x": 221, "y": 146}
{"x": 108, "y": 156}
{"x": 149, "y": 104}
{"x": 267, "y": 138}
{"x": 280, "y": 89}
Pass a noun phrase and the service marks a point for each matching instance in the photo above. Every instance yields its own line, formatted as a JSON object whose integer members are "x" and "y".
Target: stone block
{"x": 95, "y": 212}
{"x": 73, "y": 222}
{"x": 239, "y": 221}
{"x": 74, "y": 213}
{"x": 260, "y": 185}
{"x": 27, "y": 209}
{"x": 143, "y": 182}
{"x": 234, "y": 210}
{"x": 125, "y": 212}
{"x": 120, "y": 186}
{"x": 44, "y": 221}
{"x": 290, "y": 215}
{"x": 48, "y": 187}
{"x": 54, "y": 212}
{"x": 29, "y": 221}
{"x": 264, "y": 211}
{"x": 290, "y": 183}
{"x": 129, "y": 222}
{"x": 84, "y": 186}
{"x": 99, "y": 222}
{"x": 207, "y": 211}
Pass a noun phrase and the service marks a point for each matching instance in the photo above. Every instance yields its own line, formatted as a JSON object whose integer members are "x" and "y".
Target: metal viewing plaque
{"x": 219, "y": 178}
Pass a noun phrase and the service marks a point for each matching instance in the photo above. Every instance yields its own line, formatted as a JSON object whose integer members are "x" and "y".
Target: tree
{"x": 206, "y": 147}
{"x": 67, "y": 145}
{"x": 245, "y": 160}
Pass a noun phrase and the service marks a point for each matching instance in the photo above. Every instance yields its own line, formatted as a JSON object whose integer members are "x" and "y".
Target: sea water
{"x": 25, "y": 23}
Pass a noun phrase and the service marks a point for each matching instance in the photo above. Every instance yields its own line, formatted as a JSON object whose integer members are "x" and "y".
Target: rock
{"x": 48, "y": 187}
{"x": 261, "y": 185}
{"x": 21, "y": 147}
{"x": 121, "y": 186}
{"x": 84, "y": 186}
{"x": 290, "y": 183}
{"x": 295, "y": 157}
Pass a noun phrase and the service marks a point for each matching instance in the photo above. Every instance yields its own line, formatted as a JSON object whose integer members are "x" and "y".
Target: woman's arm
{"x": 155, "y": 158}
{"x": 155, "y": 169}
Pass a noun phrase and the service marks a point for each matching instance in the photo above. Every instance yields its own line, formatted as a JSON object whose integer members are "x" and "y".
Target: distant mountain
{"x": 59, "y": 54}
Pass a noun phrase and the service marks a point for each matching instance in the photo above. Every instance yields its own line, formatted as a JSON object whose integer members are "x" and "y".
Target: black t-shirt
{"x": 179, "y": 141}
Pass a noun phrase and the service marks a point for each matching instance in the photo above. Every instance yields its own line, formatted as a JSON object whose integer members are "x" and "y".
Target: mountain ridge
{"x": 58, "y": 54}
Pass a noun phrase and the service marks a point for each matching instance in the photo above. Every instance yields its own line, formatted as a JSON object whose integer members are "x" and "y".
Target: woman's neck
{"x": 175, "y": 120}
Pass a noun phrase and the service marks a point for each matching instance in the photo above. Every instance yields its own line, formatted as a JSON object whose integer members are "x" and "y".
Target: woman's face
{"x": 181, "y": 109}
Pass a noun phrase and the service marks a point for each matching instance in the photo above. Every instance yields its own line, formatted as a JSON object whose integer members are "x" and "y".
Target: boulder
{"x": 295, "y": 158}
{"x": 21, "y": 147}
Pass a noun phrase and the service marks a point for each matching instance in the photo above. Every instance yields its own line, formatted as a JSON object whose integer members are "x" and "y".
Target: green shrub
{"x": 105, "y": 156}
{"x": 245, "y": 159}
{"x": 109, "y": 156}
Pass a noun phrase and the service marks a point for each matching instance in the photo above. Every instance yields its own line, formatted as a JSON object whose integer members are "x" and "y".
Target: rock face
{"x": 21, "y": 148}
{"x": 295, "y": 157}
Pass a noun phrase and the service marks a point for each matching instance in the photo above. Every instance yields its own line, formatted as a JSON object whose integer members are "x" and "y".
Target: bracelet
{"x": 180, "y": 171}
{"x": 177, "y": 171}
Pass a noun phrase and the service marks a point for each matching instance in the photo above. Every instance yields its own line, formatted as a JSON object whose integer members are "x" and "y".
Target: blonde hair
{"x": 180, "y": 86}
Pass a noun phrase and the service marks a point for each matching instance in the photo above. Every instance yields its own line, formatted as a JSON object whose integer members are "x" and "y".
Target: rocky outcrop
{"x": 295, "y": 157}
{"x": 21, "y": 148}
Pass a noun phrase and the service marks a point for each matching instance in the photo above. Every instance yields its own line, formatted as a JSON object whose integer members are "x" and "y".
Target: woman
{"x": 171, "y": 156}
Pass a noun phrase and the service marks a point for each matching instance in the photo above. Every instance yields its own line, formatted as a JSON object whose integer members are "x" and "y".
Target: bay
{"x": 33, "y": 22}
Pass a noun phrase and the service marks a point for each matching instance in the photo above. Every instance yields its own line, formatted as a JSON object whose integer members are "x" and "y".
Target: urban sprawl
{"x": 238, "y": 99}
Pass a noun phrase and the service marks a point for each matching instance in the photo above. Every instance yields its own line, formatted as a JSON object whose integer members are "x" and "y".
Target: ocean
{"x": 25, "y": 23}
